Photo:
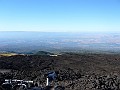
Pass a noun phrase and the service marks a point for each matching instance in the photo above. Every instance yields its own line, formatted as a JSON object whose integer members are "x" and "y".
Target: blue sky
{"x": 60, "y": 15}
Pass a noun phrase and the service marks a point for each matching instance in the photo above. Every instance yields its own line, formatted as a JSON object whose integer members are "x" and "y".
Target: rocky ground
{"x": 75, "y": 71}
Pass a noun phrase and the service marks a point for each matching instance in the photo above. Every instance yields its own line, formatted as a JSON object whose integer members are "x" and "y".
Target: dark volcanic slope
{"x": 70, "y": 66}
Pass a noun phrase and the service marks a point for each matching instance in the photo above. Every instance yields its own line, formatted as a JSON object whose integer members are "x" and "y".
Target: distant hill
{"x": 43, "y": 53}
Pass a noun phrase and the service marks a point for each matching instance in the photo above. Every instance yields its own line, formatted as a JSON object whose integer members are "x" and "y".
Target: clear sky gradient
{"x": 60, "y": 15}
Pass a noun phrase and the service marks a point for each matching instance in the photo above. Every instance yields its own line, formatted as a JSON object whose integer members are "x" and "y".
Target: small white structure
{"x": 47, "y": 83}
{"x": 54, "y": 55}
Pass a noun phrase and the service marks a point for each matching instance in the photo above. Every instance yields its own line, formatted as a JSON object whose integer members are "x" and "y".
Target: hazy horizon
{"x": 55, "y": 41}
